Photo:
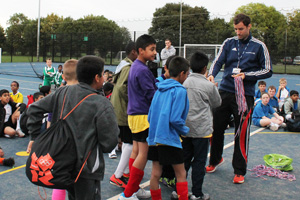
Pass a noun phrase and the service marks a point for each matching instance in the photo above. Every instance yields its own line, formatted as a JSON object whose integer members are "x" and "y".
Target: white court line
{"x": 147, "y": 183}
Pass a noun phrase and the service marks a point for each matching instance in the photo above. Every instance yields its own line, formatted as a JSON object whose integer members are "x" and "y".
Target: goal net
{"x": 120, "y": 56}
{"x": 211, "y": 50}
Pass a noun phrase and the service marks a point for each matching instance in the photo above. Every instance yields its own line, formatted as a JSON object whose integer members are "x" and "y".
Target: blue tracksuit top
{"x": 255, "y": 63}
{"x": 167, "y": 114}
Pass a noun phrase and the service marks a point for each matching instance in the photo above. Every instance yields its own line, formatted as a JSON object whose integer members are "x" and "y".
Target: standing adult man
{"x": 246, "y": 57}
{"x": 166, "y": 52}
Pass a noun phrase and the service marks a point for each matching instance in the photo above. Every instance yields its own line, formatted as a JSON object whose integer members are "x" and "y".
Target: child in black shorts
{"x": 164, "y": 135}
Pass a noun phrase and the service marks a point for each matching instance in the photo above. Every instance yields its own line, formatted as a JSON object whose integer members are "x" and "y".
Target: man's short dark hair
{"x": 292, "y": 92}
{"x": 143, "y": 41}
{"x": 169, "y": 60}
{"x": 198, "y": 61}
{"x": 45, "y": 89}
{"x": 88, "y": 67}
{"x": 37, "y": 94}
{"x": 129, "y": 47}
{"x": 3, "y": 91}
{"x": 177, "y": 65}
{"x": 242, "y": 18}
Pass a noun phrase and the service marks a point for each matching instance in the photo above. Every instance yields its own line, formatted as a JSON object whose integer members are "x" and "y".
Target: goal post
{"x": 0, "y": 55}
{"x": 211, "y": 50}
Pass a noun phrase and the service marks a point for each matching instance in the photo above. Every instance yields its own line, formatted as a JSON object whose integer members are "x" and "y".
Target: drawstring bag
{"x": 278, "y": 161}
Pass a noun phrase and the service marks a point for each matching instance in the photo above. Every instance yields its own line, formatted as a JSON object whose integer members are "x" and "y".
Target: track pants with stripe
{"x": 242, "y": 130}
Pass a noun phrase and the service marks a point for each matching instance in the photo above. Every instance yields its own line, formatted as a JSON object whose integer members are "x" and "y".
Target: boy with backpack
{"x": 92, "y": 124}
{"x": 164, "y": 135}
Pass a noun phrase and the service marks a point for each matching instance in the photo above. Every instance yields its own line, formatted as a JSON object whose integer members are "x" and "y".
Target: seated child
{"x": 261, "y": 114}
{"x": 282, "y": 92}
{"x": 273, "y": 99}
{"x": 165, "y": 147}
{"x": 9, "y": 114}
{"x": 6, "y": 161}
{"x": 261, "y": 88}
{"x": 292, "y": 103}
{"x": 15, "y": 95}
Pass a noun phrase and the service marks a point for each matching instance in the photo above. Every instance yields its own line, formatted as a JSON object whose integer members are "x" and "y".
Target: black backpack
{"x": 53, "y": 156}
{"x": 293, "y": 124}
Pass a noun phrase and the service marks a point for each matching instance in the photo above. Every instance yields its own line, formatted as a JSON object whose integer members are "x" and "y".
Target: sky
{"x": 136, "y": 15}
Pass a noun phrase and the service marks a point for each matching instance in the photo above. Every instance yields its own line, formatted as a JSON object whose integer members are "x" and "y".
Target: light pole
{"x": 38, "y": 35}
{"x": 180, "y": 25}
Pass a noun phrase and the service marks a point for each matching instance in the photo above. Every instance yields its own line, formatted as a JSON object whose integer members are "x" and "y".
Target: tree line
{"x": 98, "y": 35}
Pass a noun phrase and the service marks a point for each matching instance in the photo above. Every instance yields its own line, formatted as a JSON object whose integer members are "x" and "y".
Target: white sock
{"x": 124, "y": 160}
{"x": 18, "y": 123}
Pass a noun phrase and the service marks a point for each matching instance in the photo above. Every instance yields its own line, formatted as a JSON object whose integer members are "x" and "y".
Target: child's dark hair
{"x": 177, "y": 65}
{"x": 45, "y": 89}
{"x": 198, "y": 61}
{"x": 108, "y": 86}
{"x": 3, "y": 91}
{"x": 292, "y": 92}
{"x": 262, "y": 83}
{"x": 37, "y": 94}
{"x": 16, "y": 83}
{"x": 88, "y": 67}
{"x": 272, "y": 87}
{"x": 242, "y": 18}
{"x": 129, "y": 47}
{"x": 143, "y": 41}
{"x": 169, "y": 60}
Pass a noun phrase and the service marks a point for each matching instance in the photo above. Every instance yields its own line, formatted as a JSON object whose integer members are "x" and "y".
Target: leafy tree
{"x": 2, "y": 37}
{"x": 166, "y": 23}
{"x": 267, "y": 25}
{"x": 15, "y": 33}
{"x": 293, "y": 34}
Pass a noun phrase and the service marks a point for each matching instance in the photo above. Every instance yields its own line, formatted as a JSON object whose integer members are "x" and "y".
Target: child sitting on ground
{"x": 273, "y": 99}
{"x": 282, "y": 92}
{"x": 15, "y": 95}
{"x": 9, "y": 115}
{"x": 164, "y": 135}
{"x": 261, "y": 88}
{"x": 261, "y": 114}
{"x": 292, "y": 103}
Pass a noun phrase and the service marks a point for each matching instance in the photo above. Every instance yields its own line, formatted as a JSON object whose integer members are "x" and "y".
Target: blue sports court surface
{"x": 15, "y": 185}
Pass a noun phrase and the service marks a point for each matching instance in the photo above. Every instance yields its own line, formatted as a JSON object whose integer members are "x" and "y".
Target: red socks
{"x": 156, "y": 194}
{"x": 182, "y": 190}
{"x": 136, "y": 176}
{"x": 131, "y": 160}
{"x": 1, "y": 160}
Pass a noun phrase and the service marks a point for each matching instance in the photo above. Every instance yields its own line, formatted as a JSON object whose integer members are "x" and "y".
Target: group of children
{"x": 273, "y": 108}
{"x": 158, "y": 119}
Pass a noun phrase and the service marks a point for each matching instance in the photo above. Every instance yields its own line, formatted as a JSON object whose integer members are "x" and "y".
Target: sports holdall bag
{"x": 53, "y": 156}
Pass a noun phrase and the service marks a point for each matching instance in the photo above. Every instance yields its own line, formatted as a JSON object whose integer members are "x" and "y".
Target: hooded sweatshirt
{"x": 167, "y": 114}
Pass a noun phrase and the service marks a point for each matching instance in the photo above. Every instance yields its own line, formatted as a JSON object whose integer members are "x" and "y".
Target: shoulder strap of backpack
{"x": 75, "y": 106}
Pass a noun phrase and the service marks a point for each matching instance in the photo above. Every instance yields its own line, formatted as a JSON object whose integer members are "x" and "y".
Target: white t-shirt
{"x": 8, "y": 109}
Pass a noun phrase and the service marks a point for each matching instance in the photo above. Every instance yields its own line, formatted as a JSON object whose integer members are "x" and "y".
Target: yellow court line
{"x": 12, "y": 169}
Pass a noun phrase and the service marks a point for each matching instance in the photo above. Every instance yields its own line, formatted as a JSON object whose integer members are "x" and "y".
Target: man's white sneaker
{"x": 143, "y": 194}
